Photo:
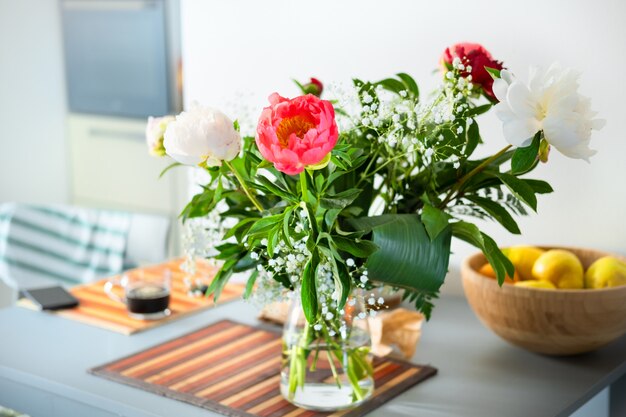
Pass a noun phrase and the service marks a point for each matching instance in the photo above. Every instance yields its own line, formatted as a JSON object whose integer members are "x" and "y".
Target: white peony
{"x": 550, "y": 102}
{"x": 154, "y": 134}
{"x": 200, "y": 136}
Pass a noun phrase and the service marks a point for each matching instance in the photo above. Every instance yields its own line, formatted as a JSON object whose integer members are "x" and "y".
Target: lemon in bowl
{"x": 559, "y": 267}
{"x": 560, "y": 321}
{"x": 606, "y": 272}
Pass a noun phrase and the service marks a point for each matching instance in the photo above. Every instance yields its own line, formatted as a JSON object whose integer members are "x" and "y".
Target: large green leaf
{"x": 406, "y": 256}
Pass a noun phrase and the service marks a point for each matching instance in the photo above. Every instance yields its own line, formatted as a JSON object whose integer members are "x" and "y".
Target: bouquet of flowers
{"x": 332, "y": 198}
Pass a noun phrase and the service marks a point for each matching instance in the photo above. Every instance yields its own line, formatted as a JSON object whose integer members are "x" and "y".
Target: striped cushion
{"x": 65, "y": 244}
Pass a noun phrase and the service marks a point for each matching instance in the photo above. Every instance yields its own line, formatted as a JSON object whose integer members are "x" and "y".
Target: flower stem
{"x": 303, "y": 185}
{"x": 244, "y": 187}
{"x": 457, "y": 187}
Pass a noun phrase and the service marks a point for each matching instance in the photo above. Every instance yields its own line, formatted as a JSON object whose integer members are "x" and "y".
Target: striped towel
{"x": 67, "y": 244}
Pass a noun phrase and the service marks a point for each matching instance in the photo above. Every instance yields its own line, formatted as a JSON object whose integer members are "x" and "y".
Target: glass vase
{"x": 327, "y": 365}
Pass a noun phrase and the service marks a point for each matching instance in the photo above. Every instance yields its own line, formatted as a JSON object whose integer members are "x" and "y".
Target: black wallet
{"x": 51, "y": 298}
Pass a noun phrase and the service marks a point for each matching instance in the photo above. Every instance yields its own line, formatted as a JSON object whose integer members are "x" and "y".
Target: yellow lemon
{"x": 532, "y": 283}
{"x": 606, "y": 272}
{"x": 523, "y": 258}
{"x": 561, "y": 267}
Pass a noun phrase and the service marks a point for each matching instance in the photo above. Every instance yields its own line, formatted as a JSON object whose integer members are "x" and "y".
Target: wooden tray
{"x": 97, "y": 309}
{"x": 233, "y": 369}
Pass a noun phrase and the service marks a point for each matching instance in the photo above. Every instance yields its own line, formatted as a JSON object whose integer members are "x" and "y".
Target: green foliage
{"x": 421, "y": 188}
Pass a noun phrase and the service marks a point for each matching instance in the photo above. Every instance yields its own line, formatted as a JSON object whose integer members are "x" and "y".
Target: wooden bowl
{"x": 552, "y": 322}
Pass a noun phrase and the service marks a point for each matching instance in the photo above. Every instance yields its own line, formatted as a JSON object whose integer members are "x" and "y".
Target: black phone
{"x": 51, "y": 298}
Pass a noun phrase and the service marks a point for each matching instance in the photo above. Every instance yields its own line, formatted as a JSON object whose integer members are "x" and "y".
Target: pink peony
{"x": 296, "y": 133}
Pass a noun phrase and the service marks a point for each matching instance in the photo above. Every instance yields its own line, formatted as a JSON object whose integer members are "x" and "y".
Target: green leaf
{"x": 478, "y": 110}
{"x": 312, "y": 220}
{"x": 242, "y": 223}
{"x": 227, "y": 250}
{"x": 495, "y": 73}
{"x": 220, "y": 279}
{"x": 410, "y": 84}
{"x": 524, "y": 159}
{"x": 309, "y": 290}
{"x": 496, "y": 211}
{"x": 356, "y": 247}
{"x": 335, "y": 160}
{"x": 392, "y": 85}
{"x": 473, "y": 138}
{"x": 493, "y": 253}
{"x": 250, "y": 284}
{"x": 346, "y": 283}
{"x": 538, "y": 186}
{"x": 245, "y": 263}
{"x": 469, "y": 233}
{"x": 274, "y": 189}
{"x": 287, "y": 219}
{"x": 331, "y": 216}
{"x": 272, "y": 238}
{"x": 265, "y": 224}
{"x": 340, "y": 275}
{"x": 520, "y": 189}
{"x": 340, "y": 200}
{"x": 434, "y": 220}
{"x": 200, "y": 205}
{"x": 167, "y": 168}
{"x": 406, "y": 256}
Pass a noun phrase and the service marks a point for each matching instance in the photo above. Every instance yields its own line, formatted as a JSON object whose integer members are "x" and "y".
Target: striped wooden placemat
{"x": 233, "y": 369}
{"x": 97, "y": 309}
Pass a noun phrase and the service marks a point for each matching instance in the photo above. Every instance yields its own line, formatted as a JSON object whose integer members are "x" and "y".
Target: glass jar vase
{"x": 327, "y": 365}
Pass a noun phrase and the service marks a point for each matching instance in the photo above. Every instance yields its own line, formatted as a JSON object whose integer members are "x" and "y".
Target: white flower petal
{"x": 520, "y": 132}
{"x": 598, "y": 124}
{"x": 507, "y": 76}
{"x": 518, "y": 98}
{"x": 500, "y": 87}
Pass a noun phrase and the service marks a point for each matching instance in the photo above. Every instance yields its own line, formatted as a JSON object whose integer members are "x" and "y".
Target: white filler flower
{"x": 202, "y": 135}
{"x": 550, "y": 102}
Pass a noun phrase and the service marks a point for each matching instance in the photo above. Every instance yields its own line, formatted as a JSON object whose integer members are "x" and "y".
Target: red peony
{"x": 477, "y": 58}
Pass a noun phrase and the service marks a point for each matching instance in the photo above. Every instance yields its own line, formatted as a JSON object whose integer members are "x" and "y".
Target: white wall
{"x": 238, "y": 52}
{"x": 33, "y": 153}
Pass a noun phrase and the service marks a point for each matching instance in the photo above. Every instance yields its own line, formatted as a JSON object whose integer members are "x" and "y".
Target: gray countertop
{"x": 479, "y": 374}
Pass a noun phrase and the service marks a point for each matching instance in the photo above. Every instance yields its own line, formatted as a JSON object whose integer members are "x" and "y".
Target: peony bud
{"x": 155, "y": 129}
{"x": 314, "y": 87}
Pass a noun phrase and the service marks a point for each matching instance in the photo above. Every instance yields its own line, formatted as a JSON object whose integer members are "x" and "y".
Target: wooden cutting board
{"x": 234, "y": 369}
{"x": 97, "y": 309}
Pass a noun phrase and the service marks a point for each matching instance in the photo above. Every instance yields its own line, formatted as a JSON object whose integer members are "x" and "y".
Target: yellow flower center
{"x": 297, "y": 125}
